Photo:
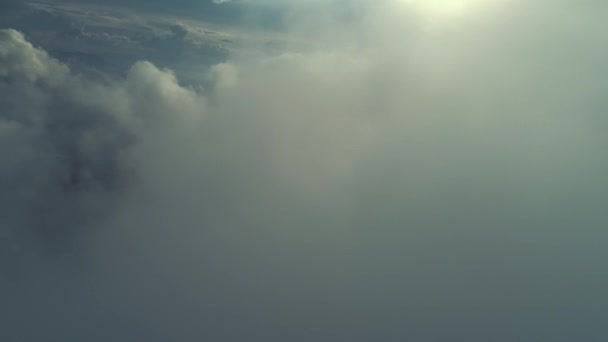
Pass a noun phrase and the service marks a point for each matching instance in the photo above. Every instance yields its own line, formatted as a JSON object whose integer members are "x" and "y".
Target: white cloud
{"x": 21, "y": 60}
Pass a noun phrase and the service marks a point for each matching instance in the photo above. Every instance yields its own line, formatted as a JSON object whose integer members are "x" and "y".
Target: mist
{"x": 393, "y": 174}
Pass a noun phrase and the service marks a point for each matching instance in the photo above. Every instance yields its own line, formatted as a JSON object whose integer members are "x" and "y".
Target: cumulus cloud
{"x": 62, "y": 144}
{"x": 398, "y": 180}
{"x": 100, "y": 41}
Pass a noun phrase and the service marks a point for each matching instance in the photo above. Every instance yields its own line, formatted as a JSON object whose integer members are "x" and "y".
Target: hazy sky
{"x": 303, "y": 171}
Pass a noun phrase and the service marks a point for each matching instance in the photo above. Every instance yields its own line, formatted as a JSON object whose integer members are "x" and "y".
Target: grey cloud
{"x": 66, "y": 146}
{"x": 401, "y": 182}
{"x": 248, "y": 14}
{"x": 92, "y": 39}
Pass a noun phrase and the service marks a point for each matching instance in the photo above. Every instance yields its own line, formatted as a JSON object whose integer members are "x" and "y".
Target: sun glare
{"x": 444, "y": 7}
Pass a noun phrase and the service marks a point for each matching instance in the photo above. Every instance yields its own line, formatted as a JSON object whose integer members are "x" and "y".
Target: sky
{"x": 289, "y": 170}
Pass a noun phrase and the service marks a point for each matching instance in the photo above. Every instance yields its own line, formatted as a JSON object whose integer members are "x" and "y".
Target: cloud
{"x": 67, "y": 144}
{"x": 98, "y": 40}
{"x": 243, "y": 14}
{"x": 397, "y": 180}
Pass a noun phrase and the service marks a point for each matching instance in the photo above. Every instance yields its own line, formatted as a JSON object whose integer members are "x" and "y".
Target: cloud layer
{"x": 402, "y": 178}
